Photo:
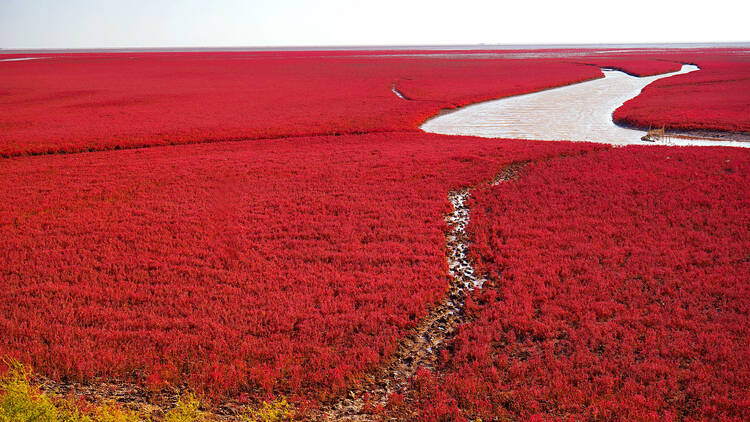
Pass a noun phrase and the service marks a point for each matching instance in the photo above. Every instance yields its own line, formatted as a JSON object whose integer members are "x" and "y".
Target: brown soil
{"x": 716, "y": 135}
{"x": 151, "y": 404}
{"x": 710, "y": 134}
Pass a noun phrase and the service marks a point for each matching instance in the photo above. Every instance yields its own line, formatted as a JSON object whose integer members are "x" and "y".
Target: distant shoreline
{"x": 380, "y": 47}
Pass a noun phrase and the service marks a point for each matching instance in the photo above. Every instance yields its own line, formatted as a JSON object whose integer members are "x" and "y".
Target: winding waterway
{"x": 578, "y": 112}
{"x": 19, "y": 59}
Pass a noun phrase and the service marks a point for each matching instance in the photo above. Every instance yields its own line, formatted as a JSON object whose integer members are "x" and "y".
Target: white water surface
{"x": 578, "y": 112}
{"x": 397, "y": 92}
{"x": 19, "y": 59}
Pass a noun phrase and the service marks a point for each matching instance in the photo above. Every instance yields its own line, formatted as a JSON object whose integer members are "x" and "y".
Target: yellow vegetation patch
{"x": 187, "y": 410}
{"x": 276, "y": 411}
{"x": 21, "y": 401}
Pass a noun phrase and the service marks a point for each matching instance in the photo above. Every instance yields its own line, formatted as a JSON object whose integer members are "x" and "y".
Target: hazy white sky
{"x": 194, "y": 23}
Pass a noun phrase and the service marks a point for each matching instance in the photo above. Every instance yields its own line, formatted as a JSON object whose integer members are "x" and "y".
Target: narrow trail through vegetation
{"x": 421, "y": 349}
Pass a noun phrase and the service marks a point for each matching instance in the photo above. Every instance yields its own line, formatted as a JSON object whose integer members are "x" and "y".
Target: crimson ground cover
{"x": 620, "y": 289}
{"x": 281, "y": 265}
{"x": 463, "y": 82}
{"x": 70, "y": 103}
{"x": 639, "y": 65}
{"x": 249, "y": 268}
{"x": 80, "y": 102}
{"x": 717, "y": 97}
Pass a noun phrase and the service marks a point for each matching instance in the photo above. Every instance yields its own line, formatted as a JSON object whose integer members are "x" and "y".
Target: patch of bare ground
{"x": 422, "y": 347}
{"x": 127, "y": 395}
{"x": 150, "y": 404}
{"x": 710, "y": 135}
{"x": 696, "y": 134}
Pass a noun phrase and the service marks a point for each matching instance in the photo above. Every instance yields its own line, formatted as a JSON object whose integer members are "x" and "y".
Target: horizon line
{"x": 343, "y": 47}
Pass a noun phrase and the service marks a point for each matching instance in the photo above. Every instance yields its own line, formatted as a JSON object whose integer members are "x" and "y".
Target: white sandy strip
{"x": 397, "y": 92}
{"x": 19, "y": 59}
{"x": 579, "y": 112}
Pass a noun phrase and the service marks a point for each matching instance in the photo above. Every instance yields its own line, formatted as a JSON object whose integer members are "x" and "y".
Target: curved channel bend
{"x": 578, "y": 112}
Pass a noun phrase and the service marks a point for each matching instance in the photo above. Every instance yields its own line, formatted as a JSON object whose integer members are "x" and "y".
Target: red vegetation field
{"x": 640, "y": 65}
{"x": 716, "y": 98}
{"x": 107, "y": 101}
{"x": 620, "y": 290}
{"x": 82, "y": 102}
{"x": 251, "y": 267}
{"x": 294, "y": 261}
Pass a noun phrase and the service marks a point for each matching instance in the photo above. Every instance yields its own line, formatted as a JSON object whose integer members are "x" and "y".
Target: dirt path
{"x": 421, "y": 348}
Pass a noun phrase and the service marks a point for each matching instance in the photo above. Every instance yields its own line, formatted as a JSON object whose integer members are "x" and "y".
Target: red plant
{"x": 288, "y": 266}
{"x": 621, "y": 283}
{"x": 293, "y": 265}
{"x": 73, "y": 103}
{"x": 715, "y": 98}
{"x": 641, "y": 64}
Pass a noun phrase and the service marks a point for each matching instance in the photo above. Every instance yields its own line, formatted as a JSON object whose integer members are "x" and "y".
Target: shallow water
{"x": 578, "y": 112}
{"x": 397, "y": 92}
{"x": 19, "y": 59}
